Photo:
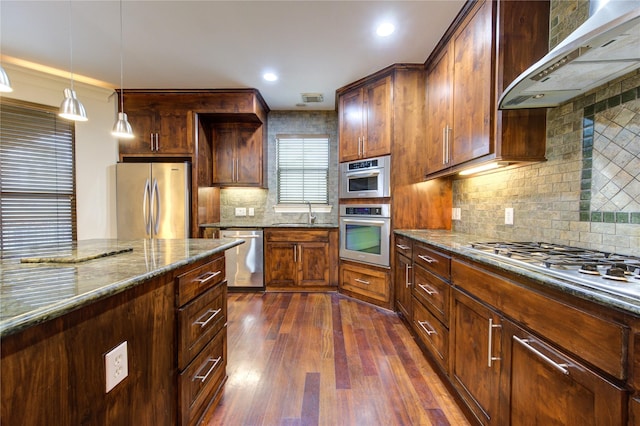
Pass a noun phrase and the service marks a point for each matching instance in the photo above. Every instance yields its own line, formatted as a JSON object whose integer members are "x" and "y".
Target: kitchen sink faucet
{"x": 312, "y": 218}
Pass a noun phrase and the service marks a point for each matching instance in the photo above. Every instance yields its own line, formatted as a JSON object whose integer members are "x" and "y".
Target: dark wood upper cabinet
{"x": 159, "y": 129}
{"x": 490, "y": 43}
{"x": 365, "y": 113}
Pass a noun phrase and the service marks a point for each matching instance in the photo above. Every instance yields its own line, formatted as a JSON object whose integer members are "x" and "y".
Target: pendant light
{"x": 122, "y": 129}
{"x": 71, "y": 108}
{"x": 5, "y": 84}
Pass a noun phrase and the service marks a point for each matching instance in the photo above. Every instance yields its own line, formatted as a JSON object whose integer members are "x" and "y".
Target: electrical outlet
{"x": 116, "y": 365}
{"x": 252, "y": 211}
{"x": 456, "y": 213}
{"x": 508, "y": 216}
{"x": 241, "y": 211}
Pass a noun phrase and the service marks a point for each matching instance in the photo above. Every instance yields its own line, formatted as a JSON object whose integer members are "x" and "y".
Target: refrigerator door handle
{"x": 145, "y": 207}
{"x": 155, "y": 202}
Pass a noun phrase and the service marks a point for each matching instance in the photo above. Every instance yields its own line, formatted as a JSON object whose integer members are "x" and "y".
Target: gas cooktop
{"x": 609, "y": 272}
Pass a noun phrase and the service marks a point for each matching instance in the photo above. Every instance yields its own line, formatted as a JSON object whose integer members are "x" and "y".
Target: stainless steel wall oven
{"x": 364, "y": 233}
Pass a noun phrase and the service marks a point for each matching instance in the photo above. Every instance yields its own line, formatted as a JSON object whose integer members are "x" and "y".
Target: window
{"x": 303, "y": 169}
{"x": 37, "y": 181}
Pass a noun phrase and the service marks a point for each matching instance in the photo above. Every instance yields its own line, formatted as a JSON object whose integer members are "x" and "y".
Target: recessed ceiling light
{"x": 269, "y": 76}
{"x": 385, "y": 29}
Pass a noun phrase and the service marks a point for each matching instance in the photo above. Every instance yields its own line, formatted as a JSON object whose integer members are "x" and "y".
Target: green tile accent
{"x": 601, "y": 106}
{"x": 585, "y": 205}
{"x": 585, "y": 217}
{"x": 596, "y": 216}
{"x": 589, "y": 110}
{"x": 635, "y": 218}
{"x": 585, "y": 196}
{"x": 608, "y": 217}
{"x": 629, "y": 95}
{"x": 622, "y": 217}
{"x": 613, "y": 101}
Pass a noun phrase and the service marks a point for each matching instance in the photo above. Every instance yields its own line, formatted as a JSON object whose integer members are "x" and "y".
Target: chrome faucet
{"x": 312, "y": 218}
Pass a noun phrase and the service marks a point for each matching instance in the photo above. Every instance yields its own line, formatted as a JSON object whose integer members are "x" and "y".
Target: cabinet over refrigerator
{"x": 153, "y": 200}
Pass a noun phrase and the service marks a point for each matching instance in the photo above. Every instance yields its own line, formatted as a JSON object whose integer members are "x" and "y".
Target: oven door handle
{"x": 364, "y": 221}
{"x": 363, "y": 173}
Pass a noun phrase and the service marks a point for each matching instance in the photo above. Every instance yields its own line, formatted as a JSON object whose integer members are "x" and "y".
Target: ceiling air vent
{"x": 312, "y": 97}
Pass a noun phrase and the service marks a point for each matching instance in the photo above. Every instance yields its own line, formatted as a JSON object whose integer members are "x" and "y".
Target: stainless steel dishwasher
{"x": 244, "y": 263}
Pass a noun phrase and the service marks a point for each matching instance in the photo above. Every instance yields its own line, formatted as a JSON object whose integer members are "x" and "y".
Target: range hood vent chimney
{"x": 604, "y": 47}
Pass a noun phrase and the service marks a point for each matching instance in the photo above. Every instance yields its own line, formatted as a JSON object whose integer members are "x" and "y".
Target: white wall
{"x": 96, "y": 149}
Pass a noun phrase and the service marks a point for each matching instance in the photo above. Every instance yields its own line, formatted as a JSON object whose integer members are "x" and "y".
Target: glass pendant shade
{"x": 71, "y": 108}
{"x": 5, "y": 84}
{"x": 122, "y": 129}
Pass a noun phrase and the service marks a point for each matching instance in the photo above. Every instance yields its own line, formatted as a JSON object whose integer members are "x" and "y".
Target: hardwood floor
{"x": 325, "y": 359}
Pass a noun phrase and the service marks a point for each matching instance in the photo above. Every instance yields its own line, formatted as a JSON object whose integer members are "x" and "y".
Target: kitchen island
{"x": 63, "y": 308}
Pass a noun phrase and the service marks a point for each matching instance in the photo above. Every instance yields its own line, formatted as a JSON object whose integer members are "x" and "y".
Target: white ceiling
{"x": 314, "y": 46}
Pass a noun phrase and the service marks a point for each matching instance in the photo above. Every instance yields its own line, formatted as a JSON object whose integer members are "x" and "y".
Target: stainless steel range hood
{"x": 604, "y": 47}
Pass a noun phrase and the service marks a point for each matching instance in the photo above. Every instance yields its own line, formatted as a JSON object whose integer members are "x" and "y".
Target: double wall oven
{"x": 365, "y": 228}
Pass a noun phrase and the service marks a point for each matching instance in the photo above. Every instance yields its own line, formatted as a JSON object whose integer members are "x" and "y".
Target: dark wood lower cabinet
{"x": 298, "y": 259}
{"x": 544, "y": 386}
{"x": 475, "y": 356}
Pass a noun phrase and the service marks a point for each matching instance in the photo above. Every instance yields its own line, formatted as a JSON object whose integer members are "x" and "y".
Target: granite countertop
{"x": 267, "y": 225}
{"x": 460, "y": 244}
{"x": 46, "y": 282}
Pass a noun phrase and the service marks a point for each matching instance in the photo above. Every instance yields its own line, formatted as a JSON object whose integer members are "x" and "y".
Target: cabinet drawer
{"x": 198, "y": 384}
{"x": 431, "y": 332}
{"x": 311, "y": 235}
{"x": 439, "y": 264}
{"x": 370, "y": 283}
{"x": 432, "y": 292}
{"x": 199, "y": 280}
{"x": 404, "y": 246}
{"x": 200, "y": 320}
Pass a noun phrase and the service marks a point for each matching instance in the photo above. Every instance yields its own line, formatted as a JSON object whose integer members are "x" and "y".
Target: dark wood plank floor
{"x": 325, "y": 359}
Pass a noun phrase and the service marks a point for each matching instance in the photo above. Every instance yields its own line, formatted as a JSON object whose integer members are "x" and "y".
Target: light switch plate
{"x": 116, "y": 365}
{"x": 456, "y": 213}
{"x": 252, "y": 211}
{"x": 508, "y": 216}
{"x": 241, "y": 211}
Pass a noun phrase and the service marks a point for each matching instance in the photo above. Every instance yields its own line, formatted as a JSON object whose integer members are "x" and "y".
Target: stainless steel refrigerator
{"x": 153, "y": 200}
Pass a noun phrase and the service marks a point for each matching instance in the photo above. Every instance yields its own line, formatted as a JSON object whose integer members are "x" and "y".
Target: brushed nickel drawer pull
{"x": 362, "y": 281}
{"x": 208, "y": 276}
{"x": 426, "y": 258}
{"x": 213, "y": 367}
{"x": 406, "y": 275}
{"x": 204, "y": 323}
{"x": 490, "y": 357}
{"x": 402, "y": 247}
{"x": 426, "y": 330}
{"x": 430, "y": 291}
{"x": 563, "y": 368}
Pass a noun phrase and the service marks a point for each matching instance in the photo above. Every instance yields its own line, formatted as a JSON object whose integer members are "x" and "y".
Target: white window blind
{"x": 303, "y": 169}
{"x": 37, "y": 182}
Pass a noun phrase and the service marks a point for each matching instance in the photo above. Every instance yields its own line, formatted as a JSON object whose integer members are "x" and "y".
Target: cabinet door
{"x": 280, "y": 264}
{"x": 313, "y": 264}
{"x": 439, "y": 122}
{"x": 171, "y": 127}
{"x": 351, "y": 124}
{"x": 473, "y": 87}
{"x": 142, "y": 122}
{"x": 249, "y": 156}
{"x": 476, "y": 347}
{"x": 224, "y": 162}
{"x": 547, "y": 387}
{"x": 377, "y": 139}
{"x": 403, "y": 281}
